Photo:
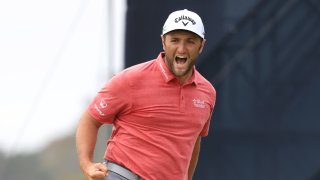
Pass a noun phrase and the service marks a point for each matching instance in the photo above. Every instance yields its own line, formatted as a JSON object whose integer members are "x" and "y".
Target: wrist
{"x": 85, "y": 164}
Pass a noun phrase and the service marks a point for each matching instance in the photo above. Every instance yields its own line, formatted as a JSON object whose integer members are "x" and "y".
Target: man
{"x": 159, "y": 109}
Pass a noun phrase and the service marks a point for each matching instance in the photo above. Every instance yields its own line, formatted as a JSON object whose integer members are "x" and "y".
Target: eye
{"x": 191, "y": 41}
{"x": 174, "y": 40}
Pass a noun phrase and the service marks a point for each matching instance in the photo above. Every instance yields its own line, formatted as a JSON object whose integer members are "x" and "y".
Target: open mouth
{"x": 181, "y": 59}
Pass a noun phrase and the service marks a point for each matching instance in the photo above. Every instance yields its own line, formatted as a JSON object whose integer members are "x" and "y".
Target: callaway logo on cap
{"x": 184, "y": 20}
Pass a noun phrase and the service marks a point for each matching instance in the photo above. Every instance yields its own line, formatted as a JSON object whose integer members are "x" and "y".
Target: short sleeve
{"x": 112, "y": 100}
{"x": 205, "y": 130}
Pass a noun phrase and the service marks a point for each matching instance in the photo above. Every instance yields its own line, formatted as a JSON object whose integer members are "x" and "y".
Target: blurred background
{"x": 262, "y": 56}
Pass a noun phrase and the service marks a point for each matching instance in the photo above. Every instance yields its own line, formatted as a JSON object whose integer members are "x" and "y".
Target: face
{"x": 181, "y": 51}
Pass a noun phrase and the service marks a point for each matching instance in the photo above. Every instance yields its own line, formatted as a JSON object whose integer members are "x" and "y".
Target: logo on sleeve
{"x": 103, "y": 103}
{"x": 99, "y": 106}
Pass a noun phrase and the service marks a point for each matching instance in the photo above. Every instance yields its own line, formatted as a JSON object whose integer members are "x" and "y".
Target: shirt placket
{"x": 182, "y": 99}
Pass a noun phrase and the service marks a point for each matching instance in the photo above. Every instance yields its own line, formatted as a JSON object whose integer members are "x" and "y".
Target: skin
{"x": 86, "y": 137}
{"x": 181, "y": 51}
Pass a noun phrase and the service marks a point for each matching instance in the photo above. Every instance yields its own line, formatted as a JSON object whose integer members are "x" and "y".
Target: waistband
{"x": 121, "y": 170}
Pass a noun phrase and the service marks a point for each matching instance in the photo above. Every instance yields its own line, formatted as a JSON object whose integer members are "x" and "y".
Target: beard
{"x": 180, "y": 69}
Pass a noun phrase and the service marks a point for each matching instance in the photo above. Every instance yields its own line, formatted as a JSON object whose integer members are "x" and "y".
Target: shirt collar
{"x": 168, "y": 75}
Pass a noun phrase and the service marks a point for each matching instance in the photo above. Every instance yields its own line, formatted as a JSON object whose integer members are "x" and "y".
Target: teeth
{"x": 181, "y": 57}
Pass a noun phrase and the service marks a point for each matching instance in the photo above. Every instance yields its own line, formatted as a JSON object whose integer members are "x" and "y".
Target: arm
{"x": 194, "y": 158}
{"x": 86, "y": 137}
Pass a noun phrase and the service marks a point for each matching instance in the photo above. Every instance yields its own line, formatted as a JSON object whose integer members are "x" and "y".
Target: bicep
{"x": 88, "y": 122}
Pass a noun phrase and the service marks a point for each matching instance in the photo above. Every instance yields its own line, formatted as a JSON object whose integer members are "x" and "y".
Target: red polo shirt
{"x": 156, "y": 120}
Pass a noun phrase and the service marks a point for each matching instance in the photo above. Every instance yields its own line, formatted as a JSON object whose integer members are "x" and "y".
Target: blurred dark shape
{"x": 263, "y": 57}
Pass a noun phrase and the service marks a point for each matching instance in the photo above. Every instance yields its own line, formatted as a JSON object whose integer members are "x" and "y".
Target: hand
{"x": 96, "y": 171}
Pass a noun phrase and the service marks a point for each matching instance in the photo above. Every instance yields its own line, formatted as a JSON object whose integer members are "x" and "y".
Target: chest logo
{"x": 198, "y": 103}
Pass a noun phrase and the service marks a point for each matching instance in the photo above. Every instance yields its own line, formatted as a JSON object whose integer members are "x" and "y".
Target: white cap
{"x": 184, "y": 20}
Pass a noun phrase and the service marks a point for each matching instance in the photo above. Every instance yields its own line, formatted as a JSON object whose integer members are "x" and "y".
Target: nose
{"x": 182, "y": 48}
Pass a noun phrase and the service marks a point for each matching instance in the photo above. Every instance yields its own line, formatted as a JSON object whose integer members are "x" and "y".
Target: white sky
{"x": 53, "y": 59}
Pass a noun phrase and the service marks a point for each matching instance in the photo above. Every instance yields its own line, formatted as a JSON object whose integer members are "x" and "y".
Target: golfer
{"x": 159, "y": 110}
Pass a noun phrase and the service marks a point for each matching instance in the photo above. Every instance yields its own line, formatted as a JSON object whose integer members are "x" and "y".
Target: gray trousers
{"x": 114, "y": 176}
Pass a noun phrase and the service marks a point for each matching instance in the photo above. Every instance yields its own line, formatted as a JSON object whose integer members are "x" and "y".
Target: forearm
{"x": 86, "y": 137}
{"x": 194, "y": 158}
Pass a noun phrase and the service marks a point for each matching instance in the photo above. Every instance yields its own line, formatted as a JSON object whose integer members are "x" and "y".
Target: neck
{"x": 184, "y": 79}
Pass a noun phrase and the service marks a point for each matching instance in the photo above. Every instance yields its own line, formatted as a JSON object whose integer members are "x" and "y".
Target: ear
{"x": 163, "y": 44}
{"x": 202, "y": 45}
